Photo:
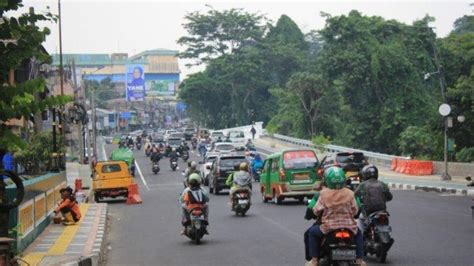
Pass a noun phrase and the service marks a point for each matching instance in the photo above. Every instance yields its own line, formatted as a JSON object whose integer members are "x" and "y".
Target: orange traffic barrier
{"x": 78, "y": 184}
{"x": 394, "y": 164}
{"x": 412, "y": 167}
{"x": 133, "y": 195}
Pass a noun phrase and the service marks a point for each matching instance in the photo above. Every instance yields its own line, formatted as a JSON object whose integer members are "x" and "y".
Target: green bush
{"x": 320, "y": 140}
{"x": 465, "y": 155}
{"x": 38, "y": 156}
{"x": 416, "y": 142}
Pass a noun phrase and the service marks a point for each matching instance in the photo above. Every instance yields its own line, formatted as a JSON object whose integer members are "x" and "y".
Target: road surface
{"x": 428, "y": 228}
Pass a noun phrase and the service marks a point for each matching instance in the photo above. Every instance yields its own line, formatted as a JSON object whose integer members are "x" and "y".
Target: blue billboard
{"x": 135, "y": 80}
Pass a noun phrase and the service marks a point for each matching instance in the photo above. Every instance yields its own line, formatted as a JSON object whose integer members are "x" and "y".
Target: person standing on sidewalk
{"x": 69, "y": 208}
{"x": 253, "y": 131}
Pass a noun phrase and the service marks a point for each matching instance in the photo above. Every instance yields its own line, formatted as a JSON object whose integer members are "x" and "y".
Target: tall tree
{"x": 20, "y": 39}
{"x": 217, "y": 33}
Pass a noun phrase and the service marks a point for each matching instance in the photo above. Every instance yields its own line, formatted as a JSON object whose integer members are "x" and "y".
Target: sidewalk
{"x": 395, "y": 180}
{"x": 70, "y": 245}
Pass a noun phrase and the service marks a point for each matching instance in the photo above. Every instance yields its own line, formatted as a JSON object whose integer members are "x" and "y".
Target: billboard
{"x": 160, "y": 87}
{"x": 135, "y": 80}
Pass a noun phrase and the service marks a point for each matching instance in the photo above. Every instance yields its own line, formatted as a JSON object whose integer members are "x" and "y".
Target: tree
{"x": 416, "y": 141}
{"x": 20, "y": 39}
{"x": 103, "y": 91}
{"x": 217, "y": 33}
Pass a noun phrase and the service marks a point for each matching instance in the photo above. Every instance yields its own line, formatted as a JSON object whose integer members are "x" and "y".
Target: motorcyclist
{"x": 193, "y": 196}
{"x": 202, "y": 149}
{"x": 130, "y": 141}
{"x": 241, "y": 180}
{"x": 192, "y": 169}
{"x": 337, "y": 207}
{"x": 256, "y": 164}
{"x": 174, "y": 155}
{"x": 155, "y": 155}
{"x": 230, "y": 178}
{"x": 139, "y": 139}
{"x": 250, "y": 145}
{"x": 219, "y": 139}
{"x": 373, "y": 193}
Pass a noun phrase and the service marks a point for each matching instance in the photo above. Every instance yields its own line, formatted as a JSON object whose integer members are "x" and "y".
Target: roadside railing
{"x": 374, "y": 157}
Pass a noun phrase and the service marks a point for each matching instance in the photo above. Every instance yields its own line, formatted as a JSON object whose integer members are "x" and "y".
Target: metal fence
{"x": 374, "y": 157}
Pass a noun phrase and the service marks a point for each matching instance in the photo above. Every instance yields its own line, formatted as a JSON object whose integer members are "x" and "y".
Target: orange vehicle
{"x": 111, "y": 179}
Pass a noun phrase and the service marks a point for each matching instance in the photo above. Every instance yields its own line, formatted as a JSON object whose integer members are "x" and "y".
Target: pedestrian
{"x": 69, "y": 208}
{"x": 253, "y": 131}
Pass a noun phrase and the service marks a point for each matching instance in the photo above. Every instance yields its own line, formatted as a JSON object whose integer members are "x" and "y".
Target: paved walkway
{"x": 396, "y": 180}
{"x": 60, "y": 244}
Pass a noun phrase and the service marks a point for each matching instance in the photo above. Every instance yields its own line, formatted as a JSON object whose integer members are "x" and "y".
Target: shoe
{"x": 313, "y": 262}
{"x": 206, "y": 232}
{"x": 361, "y": 262}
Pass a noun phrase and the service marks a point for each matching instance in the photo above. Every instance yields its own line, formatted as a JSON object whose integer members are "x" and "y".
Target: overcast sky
{"x": 105, "y": 26}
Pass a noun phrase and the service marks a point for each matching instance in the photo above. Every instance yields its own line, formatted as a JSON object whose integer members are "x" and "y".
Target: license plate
{"x": 301, "y": 177}
{"x": 243, "y": 201}
{"x": 350, "y": 173}
{"x": 343, "y": 254}
{"x": 383, "y": 228}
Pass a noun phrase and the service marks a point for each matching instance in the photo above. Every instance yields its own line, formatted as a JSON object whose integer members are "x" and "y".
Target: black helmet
{"x": 370, "y": 171}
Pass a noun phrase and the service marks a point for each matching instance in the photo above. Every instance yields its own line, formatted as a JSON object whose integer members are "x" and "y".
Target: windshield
{"x": 230, "y": 162}
{"x": 174, "y": 142}
{"x": 299, "y": 159}
{"x": 350, "y": 158}
{"x": 210, "y": 159}
{"x": 224, "y": 147}
{"x": 217, "y": 134}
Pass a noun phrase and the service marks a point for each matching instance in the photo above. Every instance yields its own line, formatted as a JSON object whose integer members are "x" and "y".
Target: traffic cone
{"x": 133, "y": 195}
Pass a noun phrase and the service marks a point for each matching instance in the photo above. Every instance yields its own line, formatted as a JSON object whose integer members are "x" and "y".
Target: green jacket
{"x": 230, "y": 179}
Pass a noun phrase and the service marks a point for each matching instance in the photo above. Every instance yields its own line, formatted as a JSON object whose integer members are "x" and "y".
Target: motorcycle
{"x": 196, "y": 228}
{"x": 131, "y": 146}
{"x": 194, "y": 144}
{"x": 470, "y": 192}
{"x": 258, "y": 172}
{"x": 185, "y": 156}
{"x": 156, "y": 167}
{"x": 338, "y": 248}
{"x": 139, "y": 145}
{"x": 147, "y": 152}
{"x": 377, "y": 239}
{"x": 241, "y": 201}
{"x": 174, "y": 164}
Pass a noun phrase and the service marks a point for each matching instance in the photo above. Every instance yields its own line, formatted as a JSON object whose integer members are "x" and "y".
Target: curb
{"x": 99, "y": 244}
{"x": 455, "y": 191}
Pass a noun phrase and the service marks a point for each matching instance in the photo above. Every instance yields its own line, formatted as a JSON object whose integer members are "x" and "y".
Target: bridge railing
{"x": 374, "y": 157}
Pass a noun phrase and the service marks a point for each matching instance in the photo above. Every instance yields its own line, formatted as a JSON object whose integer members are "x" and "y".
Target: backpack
{"x": 196, "y": 197}
{"x": 374, "y": 198}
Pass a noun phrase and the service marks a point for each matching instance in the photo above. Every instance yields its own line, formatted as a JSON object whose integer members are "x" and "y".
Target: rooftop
{"x": 106, "y": 59}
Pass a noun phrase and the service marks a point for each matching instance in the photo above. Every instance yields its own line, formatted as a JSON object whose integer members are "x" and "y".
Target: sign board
{"x": 125, "y": 115}
{"x": 160, "y": 87}
{"x": 135, "y": 80}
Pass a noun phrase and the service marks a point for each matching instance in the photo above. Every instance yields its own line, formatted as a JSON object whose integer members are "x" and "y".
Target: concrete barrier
{"x": 454, "y": 169}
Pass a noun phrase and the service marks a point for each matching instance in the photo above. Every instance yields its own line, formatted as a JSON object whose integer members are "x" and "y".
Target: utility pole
{"x": 94, "y": 130}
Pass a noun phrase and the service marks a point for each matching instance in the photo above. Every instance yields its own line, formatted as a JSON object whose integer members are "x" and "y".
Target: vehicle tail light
{"x": 343, "y": 234}
{"x": 242, "y": 195}
{"x": 320, "y": 172}
{"x": 383, "y": 219}
{"x": 282, "y": 175}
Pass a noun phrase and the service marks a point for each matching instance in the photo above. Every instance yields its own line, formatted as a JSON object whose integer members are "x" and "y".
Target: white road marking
{"x": 103, "y": 151}
{"x": 141, "y": 175}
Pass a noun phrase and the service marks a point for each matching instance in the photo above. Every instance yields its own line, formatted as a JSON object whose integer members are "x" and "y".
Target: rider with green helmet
{"x": 193, "y": 196}
{"x": 337, "y": 207}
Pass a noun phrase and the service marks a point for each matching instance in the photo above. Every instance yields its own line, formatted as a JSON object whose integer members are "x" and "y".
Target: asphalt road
{"x": 428, "y": 228}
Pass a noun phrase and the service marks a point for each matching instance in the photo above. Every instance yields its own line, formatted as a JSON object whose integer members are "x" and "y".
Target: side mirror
{"x": 200, "y": 162}
{"x": 208, "y": 167}
{"x": 468, "y": 178}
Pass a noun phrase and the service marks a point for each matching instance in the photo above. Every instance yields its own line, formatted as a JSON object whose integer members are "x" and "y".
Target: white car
{"x": 223, "y": 147}
{"x": 237, "y": 137}
{"x": 216, "y": 134}
{"x": 168, "y": 133}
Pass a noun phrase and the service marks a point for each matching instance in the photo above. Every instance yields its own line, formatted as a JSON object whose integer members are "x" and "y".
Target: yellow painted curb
{"x": 62, "y": 243}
